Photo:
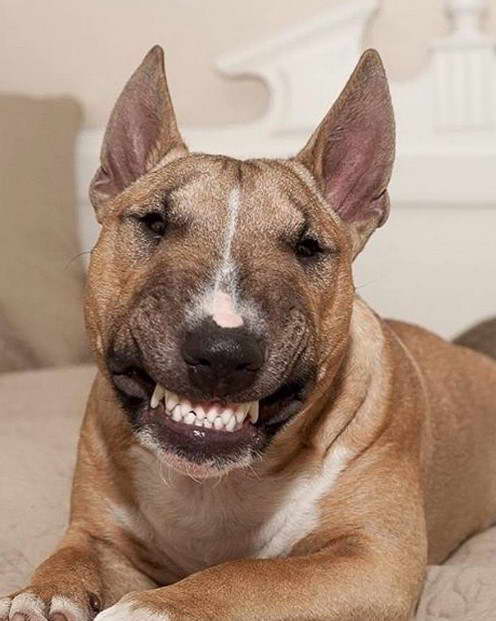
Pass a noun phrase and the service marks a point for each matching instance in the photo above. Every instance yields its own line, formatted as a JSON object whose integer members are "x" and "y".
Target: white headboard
{"x": 435, "y": 262}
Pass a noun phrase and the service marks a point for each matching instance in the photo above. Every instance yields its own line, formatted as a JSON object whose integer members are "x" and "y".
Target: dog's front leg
{"x": 84, "y": 576}
{"x": 350, "y": 586}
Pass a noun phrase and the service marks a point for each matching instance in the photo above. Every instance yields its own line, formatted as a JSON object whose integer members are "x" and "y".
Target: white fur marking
{"x": 27, "y": 603}
{"x": 223, "y": 312}
{"x": 122, "y": 611}
{"x": 300, "y": 515}
{"x": 65, "y": 606}
{"x": 222, "y": 304}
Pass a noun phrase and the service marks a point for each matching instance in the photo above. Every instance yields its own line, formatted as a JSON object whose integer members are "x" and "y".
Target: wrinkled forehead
{"x": 215, "y": 190}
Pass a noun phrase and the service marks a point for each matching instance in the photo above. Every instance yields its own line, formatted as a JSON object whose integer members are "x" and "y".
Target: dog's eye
{"x": 155, "y": 223}
{"x": 308, "y": 247}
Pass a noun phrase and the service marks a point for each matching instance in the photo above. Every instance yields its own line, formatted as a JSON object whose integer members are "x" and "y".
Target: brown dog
{"x": 258, "y": 444}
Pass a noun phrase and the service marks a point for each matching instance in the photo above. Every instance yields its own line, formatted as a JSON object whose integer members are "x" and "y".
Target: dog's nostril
{"x": 246, "y": 366}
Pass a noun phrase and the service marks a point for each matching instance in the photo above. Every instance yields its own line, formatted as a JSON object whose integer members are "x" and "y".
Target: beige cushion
{"x": 40, "y": 415}
{"x": 39, "y": 422}
{"x": 41, "y": 276}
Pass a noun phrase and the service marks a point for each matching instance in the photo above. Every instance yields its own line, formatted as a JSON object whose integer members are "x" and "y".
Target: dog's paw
{"x": 129, "y": 610}
{"x": 49, "y": 604}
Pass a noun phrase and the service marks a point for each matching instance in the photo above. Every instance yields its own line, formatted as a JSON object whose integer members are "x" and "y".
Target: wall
{"x": 88, "y": 49}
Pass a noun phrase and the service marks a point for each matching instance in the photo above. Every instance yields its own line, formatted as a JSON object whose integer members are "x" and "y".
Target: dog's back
{"x": 460, "y": 386}
{"x": 481, "y": 337}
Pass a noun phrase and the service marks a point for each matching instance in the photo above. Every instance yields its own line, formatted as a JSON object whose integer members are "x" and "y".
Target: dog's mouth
{"x": 217, "y": 432}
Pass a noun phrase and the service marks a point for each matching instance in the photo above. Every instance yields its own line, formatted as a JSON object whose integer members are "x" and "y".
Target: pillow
{"x": 41, "y": 275}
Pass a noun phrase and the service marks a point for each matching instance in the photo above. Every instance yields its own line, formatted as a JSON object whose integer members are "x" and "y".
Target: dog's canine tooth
{"x": 254, "y": 409}
{"x": 241, "y": 412}
{"x": 200, "y": 412}
{"x": 171, "y": 400}
{"x": 158, "y": 395}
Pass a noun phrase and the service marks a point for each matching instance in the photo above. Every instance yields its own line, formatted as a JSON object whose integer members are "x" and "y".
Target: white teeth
{"x": 242, "y": 412}
{"x": 172, "y": 400}
{"x": 185, "y": 408}
{"x": 212, "y": 414}
{"x": 158, "y": 395}
{"x": 190, "y": 418}
{"x": 254, "y": 408}
{"x": 218, "y": 424}
{"x": 211, "y": 417}
{"x": 226, "y": 415}
{"x": 231, "y": 424}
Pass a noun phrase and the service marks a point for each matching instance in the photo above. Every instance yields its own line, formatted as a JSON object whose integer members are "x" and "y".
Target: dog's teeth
{"x": 218, "y": 424}
{"x": 185, "y": 407}
{"x": 212, "y": 414}
{"x": 171, "y": 400}
{"x": 226, "y": 415}
{"x": 231, "y": 423}
{"x": 254, "y": 408}
{"x": 190, "y": 418}
{"x": 177, "y": 415}
{"x": 241, "y": 412}
{"x": 158, "y": 395}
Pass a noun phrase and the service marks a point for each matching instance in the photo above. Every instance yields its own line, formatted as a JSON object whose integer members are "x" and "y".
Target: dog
{"x": 258, "y": 443}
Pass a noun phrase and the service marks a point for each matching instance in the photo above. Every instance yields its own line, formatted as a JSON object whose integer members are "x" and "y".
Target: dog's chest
{"x": 188, "y": 526}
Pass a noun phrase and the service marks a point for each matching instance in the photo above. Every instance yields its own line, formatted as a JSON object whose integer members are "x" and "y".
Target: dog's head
{"x": 220, "y": 290}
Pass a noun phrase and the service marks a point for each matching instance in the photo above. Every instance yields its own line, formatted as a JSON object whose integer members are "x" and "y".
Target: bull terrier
{"x": 258, "y": 444}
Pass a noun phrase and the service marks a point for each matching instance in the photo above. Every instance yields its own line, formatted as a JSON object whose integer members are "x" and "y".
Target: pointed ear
{"x": 351, "y": 153}
{"x": 142, "y": 130}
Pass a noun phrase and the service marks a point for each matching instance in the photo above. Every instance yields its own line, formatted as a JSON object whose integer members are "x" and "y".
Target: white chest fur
{"x": 198, "y": 524}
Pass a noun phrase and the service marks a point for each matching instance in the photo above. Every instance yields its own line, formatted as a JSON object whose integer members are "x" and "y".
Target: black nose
{"x": 222, "y": 360}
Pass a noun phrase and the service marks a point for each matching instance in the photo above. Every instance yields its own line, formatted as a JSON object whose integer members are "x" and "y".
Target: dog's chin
{"x": 205, "y": 438}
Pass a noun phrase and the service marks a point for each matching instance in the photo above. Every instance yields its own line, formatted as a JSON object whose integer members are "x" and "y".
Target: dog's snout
{"x": 220, "y": 360}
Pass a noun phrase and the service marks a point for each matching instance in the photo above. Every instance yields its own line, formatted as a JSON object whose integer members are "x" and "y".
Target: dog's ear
{"x": 351, "y": 153}
{"x": 142, "y": 130}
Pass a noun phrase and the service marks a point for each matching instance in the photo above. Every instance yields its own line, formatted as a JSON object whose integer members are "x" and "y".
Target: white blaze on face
{"x": 223, "y": 312}
{"x": 222, "y": 306}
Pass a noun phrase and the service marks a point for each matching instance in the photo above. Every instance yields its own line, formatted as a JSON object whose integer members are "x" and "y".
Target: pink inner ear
{"x": 141, "y": 131}
{"x": 352, "y": 152}
{"x": 356, "y": 173}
